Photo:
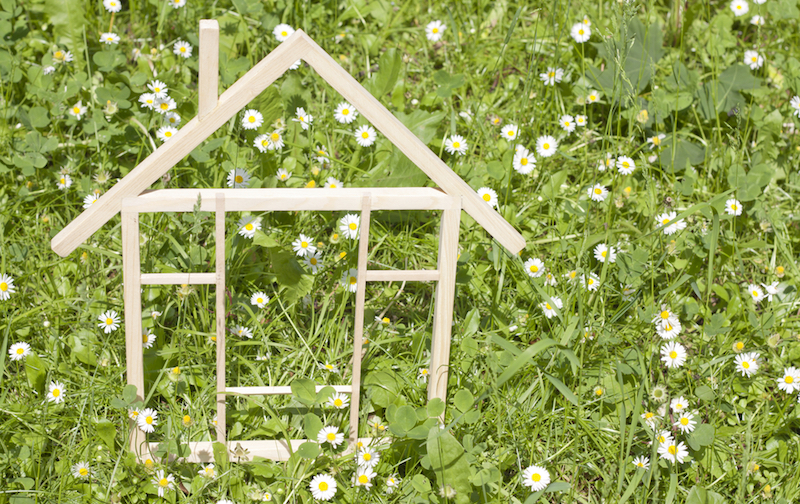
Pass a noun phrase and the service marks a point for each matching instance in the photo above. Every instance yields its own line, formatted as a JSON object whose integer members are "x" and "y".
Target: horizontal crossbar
{"x": 178, "y": 278}
{"x": 202, "y": 451}
{"x": 402, "y": 275}
{"x": 342, "y": 389}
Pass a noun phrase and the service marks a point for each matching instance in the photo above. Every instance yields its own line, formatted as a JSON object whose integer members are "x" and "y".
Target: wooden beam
{"x": 358, "y": 329}
{"x": 402, "y": 275}
{"x": 202, "y": 451}
{"x": 208, "y": 76}
{"x": 178, "y": 278}
{"x": 219, "y": 238}
{"x": 342, "y": 389}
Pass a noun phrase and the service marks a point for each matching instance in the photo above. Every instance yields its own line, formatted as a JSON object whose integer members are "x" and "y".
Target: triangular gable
{"x": 262, "y": 75}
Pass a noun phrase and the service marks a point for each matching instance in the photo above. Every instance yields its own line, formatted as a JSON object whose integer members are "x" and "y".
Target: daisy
{"x": 345, "y": 113}
{"x": 333, "y": 183}
{"x": 338, "y": 401}
{"x": 771, "y": 289}
{"x": 238, "y": 177}
{"x": 172, "y": 118}
{"x": 598, "y": 192}
{"x": 591, "y": 282}
{"x": 6, "y": 287}
{"x": 753, "y": 60}
{"x": 642, "y": 462}
{"x": 350, "y": 279}
{"x": 48, "y": 70}
{"x": 112, "y": 5}
{"x": 60, "y": 56}
{"x": 655, "y": 140}
{"x": 789, "y": 383}
{"x": 177, "y": 4}
{"x": 509, "y": 132}
{"x": 535, "y": 477}
{"x": 252, "y": 119}
{"x": 434, "y": 30}
{"x": 363, "y": 477}
{"x": 580, "y": 120}
{"x": 524, "y": 162}
{"x": 548, "y": 307}
{"x": 580, "y": 32}
{"x": 546, "y": 146}
{"x": 755, "y": 292}
{"x": 243, "y": 332}
{"x": 158, "y": 88}
{"x": 331, "y": 368}
{"x": 109, "y": 38}
{"x": 391, "y": 483}
{"x": 549, "y": 279}
{"x": 664, "y": 437}
{"x": 209, "y": 471}
{"x": 283, "y": 175}
{"x": 603, "y": 252}
{"x": 757, "y": 20}
{"x": 78, "y": 110}
{"x": 133, "y": 414}
{"x": 303, "y": 246}
{"x": 313, "y": 261}
{"x": 147, "y": 420}
{"x": 109, "y": 321}
{"x": 56, "y": 392}
{"x": 323, "y": 487}
{"x": 90, "y": 199}
{"x": 551, "y": 76}
{"x": 625, "y": 165}
{"x": 182, "y": 48}
{"x": 659, "y": 394}
{"x": 330, "y": 435}
{"x": 368, "y": 457}
{"x": 603, "y": 165}
{"x": 673, "y": 354}
{"x": 163, "y": 482}
{"x": 248, "y": 226}
{"x": 81, "y": 470}
{"x": 365, "y": 135}
{"x": 422, "y": 374}
{"x": 650, "y": 419}
{"x": 282, "y": 32}
{"x": 304, "y": 119}
{"x": 455, "y": 144}
{"x": 567, "y": 123}
{"x": 669, "y": 329}
{"x": 678, "y": 404}
{"x": 666, "y": 219}
{"x": 593, "y": 96}
{"x": 747, "y": 363}
{"x": 164, "y": 105}
{"x": 488, "y": 195}
{"x": 739, "y": 7}
{"x": 685, "y": 422}
{"x": 259, "y": 299}
{"x": 795, "y": 103}
{"x": 534, "y": 267}
{"x": 733, "y": 207}
{"x": 148, "y": 100}
{"x": 19, "y": 351}
{"x": 148, "y": 338}
{"x": 673, "y": 452}
{"x": 321, "y": 155}
{"x": 164, "y": 133}
{"x": 348, "y": 226}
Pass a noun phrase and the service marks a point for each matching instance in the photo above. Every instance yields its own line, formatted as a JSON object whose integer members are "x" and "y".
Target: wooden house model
{"x": 129, "y": 197}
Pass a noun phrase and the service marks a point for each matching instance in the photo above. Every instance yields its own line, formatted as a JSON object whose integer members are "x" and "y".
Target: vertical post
{"x": 208, "y": 76}
{"x": 445, "y": 297}
{"x": 358, "y": 332}
{"x": 134, "y": 351}
{"x": 219, "y": 236}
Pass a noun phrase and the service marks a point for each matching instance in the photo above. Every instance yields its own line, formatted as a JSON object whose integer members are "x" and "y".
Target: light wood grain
{"x": 402, "y": 275}
{"x": 342, "y": 389}
{"x": 178, "y": 278}
{"x": 202, "y": 451}
{"x": 208, "y": 74}
{"x": 134, "y": 356}
{"x": 277, "y": 199}
{"x": 219, "y": 237}
{"x": 358, "y": 330}
{"x": 443, "y": 308}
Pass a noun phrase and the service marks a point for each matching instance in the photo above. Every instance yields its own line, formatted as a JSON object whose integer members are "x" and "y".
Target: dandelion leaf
{"x": 449, "y": 463}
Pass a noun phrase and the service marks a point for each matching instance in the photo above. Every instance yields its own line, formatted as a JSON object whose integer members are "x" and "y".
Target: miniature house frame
{"x": 128, "y": 196}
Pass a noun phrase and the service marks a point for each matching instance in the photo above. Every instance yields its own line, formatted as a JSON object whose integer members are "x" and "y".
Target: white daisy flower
{"x": 455, "y": 144}
{"x": 590, "y": 282}
{"x": 282, "y": 32}
{"x": 55, "y": 392}
{"x": 148, "y": 338}
{"x": 78, "y": 110}
{"x": 172, "y": 118}
{"x": 363, "y": 477}
{"x": 303, "y": 118}
{"x": 753, "y": 60}
{"x": 330, "y": 435}
{"x": 549, "y": 306}
{"x": 586, "y": 21}
{"x": 739, "y": 7}
{"x": 109, "y": 321}
{"x": 650, "y": 418}
{"x": 48, "y": 70}
{"x": 259, "y": 299}
{"x": 165, "y": 133}
{"x": 90, "y": 199}
{"x": 147, "y": 420}
{"x": 182, "y": 48}
{"x": 664, "y": 437}
{"x": 158, "y": 89}
{"x": 262, "y": 143}
{"x": 598, "y": 192}
{"x": 593, "y": 96}
{"x": 580, "y": 120}
{"x": 655, "y": 140}
{"x": 177, "y": 4}
{"x": 546, "y": 146}
{"x": 248, "y": 226}
{"x": 535, "y": 477}
{"x": 112, "y": 5}
{"x": 434, "y": 30}
{"x": 509, "y": 132}
{"x": 109, "y": 38}
{"x": 314, "y": 261}
{"x": 331, "y": 368}
{"x": 733, "y": 207}
{"x": 323, "y": 487}
{"x": 238, "y": 177}
{"x": 755, "y": 292}
{"x": 60, "y": 56}
{"x": 252, "y": 119}
{"x": 368, "y": 457}
{"x": 603, "y": 252}
{"x": 303, "y": 246}
{"x": 757, "y": 20}
{"x": 6, "y": 287}
{"x": 208, "y": 472}
{"x": 642, "y": 462}
{"x": 669, "y": 328}
{"x": 321, "y": 154}
{"x": 580, "y": 33}
{"x": 747, "y": 363}
{"x": 673, "y": 354}
{"x": 337, "y": 400}
{"x": 771, "y": 289}
{"x": 163, "y": 482}
{"x": 243, "y": 332}
{"x": 345, "y": 113}
{"x": 603, "y": 165}
{"x": 365, "y": 135}
{"x": 625, "y": 165}
{"x": 81, "y": 470}
{"x": 392, "y": 482}
{"x": 524, "y": 162}
{"x": 348, "y": 226}
{"x": 685, "y": 422}
{"x": 552, "y": 76}
{"x": 164, "y": 105}
{"x": 790, "y": 382}
{"x": 678, "y": 404}
{"x": 488, "y": 195}
{"x": 673, "y": 452}
{"x": 350, "y": 279}
{"x": 795, "y": 103}
{"x": 422, "y": 374}
{"x": 668, "y": 219}
{"x": 283, "y": 175}
{"x": 19, "y": 351}
{"x": 549, "y": 279}
{"x": 534, "y": 267}
{"x": 333, "y": 183}
{"x": 567, "y": 123}
{"x": 148, "y": 100}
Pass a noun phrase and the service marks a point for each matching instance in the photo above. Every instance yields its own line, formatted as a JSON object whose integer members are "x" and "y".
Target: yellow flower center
{"x": 745, "y": 364}
{"x": 144, "y": 338}
{"x": 788, "y": 379}
{"x": 665, "y": 314}
{"x": 672, "y": 450}
{"x": 665, "y": 221}
{"x": 511, "y": 133}
{"x": 332, "y": 186}
{"x": 183, "y": 49}
{"x": 239, "y": 179}
{"x": 323, "y": 486}
{"x": 598, "y": 392}
{"x": 547, "y": 306}
{"x": 648, "y": 415}
{"x": 163, "y": 482}
{"x": 487, "y": 197}
{"x": 313, "y": 261}
{"x": 338, "y": 402}
{"x": 275, "y": 137}
{"x": 684, "y": 421}
{"x": 259, "y": 300}
{"x": 3, "y": 286}
{"x": 149, "y": 420}
{"x": 284, "y": 33}
{"x": 109, "y": 321}
{"x": 591, "y": 281}
{"x": 534, "y": 268}
{"x": 673, "y": 354}
{"x": 353, "y": 226}
{"x": 57, "y": 392}
{"x": 252, "y": 119}
{"x": 456, "y": 145}
{"x": 365, "y": 135}
{"x": 249, "y": 226}
{"x": 545, "y": 146}
{"x": 20, "y": 351}
{"x": 754, "y": 59}
{"x": 551, "y": 74}
{"x": 345, "y": 111}
{"x": 604, "y": 253}
{"x": 755, "y": 293}
{"x": 83, "y": 471}
{"x": 63, "y": 181}
{"x": 363, "y": 479}
{"x": 734, "y": 206}
{"x": 353, "y": 280}
{"x": 523, "y": 161}
{"x": 385, "y": 320}
{"x": 668, "y": 327}
{"x": 435, "y": 30}
{"x": 536, "y": 477}
{"x": 76, "y": 110}
{"x": 59, "y": 54}
{"x": 598, "y": 191}
{"x": 331, "y": 436}
{"x": 168, "y": 134}
{"x": 186, "y": 419}
{"x": 580, "y": 32}
{"x": 625, "y": 164}
{"x": 112, "y": 38}
{"x": 304, "y": 244}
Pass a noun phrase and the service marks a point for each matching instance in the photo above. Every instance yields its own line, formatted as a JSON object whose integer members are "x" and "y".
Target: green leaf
{"x": 571, "y": 397}
{"x": 496, "y": 170}
{"x": 106, "y": 61}
{"x": 36, "y": 372}
{"x": 704, "y": 393}
{"x": 435, "y": 407}
{"x": 524, "y": 358}
{"x": 308, "y": 450}
{"x": 463, "y": 400}
{"x": 304, "y": 390}
{"x": 311, "y": 425}
{"x": 699, "y": 495}
{"x": 107, "y": 432}
{"x": 405, "y": 418}
{"x": 383, "y": 81}
{"x": 557, "y": 486}
{"x": 129, "y": 393}
{"x": 220, "y": 456}
{"x": 263, "y": 240}
{"x": 422, "y": 123}
{"x": 449, "y": 463}
{"x": 399, "y": 172}
{"x": 447, "y": 83}
{"x": 723, "y": 94}
{"x": 38, "y": 117}
{"x": 703, "y": 434}
{"x": 677, "y": 154}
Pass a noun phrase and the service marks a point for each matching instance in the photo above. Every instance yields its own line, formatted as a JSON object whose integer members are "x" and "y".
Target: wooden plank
{"x": 276, "y": 199}
{"x": 134, "y": 356}
{"x": 402, "y": 275}
{"x": 188, "y": 137}
{"x": 178, "y": 278}
{"x": 358, "y": 329}
{"x": 411, "y": 146}
{"x": 208, "y": 75}
{"x": 342, "y": 389}
{"x": 443, "y": 307}
{"x": 202, "y": 451}
{"x": 219, "y": 237}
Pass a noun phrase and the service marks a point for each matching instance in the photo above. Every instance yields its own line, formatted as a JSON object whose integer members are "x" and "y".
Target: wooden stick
{"x": 443, "y": 308}
{"x": 178, "y": 278}
{"x": 358, "y": 330}
{"x": 402, "y": 275}
{"x": 208, "y": 76}
{"x": 219, "y": 236}
{"x": 284, "y": 390}
{"x": 134, "y": 352}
